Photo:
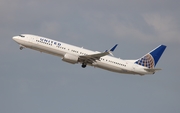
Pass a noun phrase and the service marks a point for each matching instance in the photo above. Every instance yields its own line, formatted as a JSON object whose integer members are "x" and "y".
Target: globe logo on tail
{"x": 147, "y": 61}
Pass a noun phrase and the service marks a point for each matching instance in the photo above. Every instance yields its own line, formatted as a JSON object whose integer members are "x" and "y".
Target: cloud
{"x": 138, "y": 21}
{"x": 165, "y": 26}
{"x": 118, "y": 19}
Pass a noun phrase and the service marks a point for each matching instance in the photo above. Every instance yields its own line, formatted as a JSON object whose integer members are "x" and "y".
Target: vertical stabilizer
{"x": 150, "y": 59}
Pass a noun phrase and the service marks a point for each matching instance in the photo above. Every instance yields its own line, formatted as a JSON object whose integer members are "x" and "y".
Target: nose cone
{"x": 15, "y": 38}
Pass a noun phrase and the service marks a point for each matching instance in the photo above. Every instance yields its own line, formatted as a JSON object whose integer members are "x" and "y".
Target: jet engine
{"x": 70, "y": 58}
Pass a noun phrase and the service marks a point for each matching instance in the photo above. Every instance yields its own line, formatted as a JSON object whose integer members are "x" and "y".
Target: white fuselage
{"x": 57, "y": 48}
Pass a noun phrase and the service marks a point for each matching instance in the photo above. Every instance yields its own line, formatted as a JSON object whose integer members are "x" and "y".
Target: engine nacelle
{"x": 70, "y": 58}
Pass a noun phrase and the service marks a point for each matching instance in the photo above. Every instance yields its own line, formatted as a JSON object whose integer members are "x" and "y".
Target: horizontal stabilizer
{"x": 152, "y": 70}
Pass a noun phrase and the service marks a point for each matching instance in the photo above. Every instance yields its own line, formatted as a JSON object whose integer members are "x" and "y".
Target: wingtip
{"x": 114, "y": 47}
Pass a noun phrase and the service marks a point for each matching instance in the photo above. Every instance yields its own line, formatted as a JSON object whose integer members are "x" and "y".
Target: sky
{"x": 34, "y": 82}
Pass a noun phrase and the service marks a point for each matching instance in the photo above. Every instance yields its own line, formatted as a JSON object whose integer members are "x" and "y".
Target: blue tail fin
{"x": 150, "y": 60}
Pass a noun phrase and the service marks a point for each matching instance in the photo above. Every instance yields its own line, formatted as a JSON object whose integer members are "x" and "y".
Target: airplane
{"x": 104, "y": 60}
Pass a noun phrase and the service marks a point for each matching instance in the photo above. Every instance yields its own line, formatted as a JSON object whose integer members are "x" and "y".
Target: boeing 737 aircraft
{"x": 73, "y": 55}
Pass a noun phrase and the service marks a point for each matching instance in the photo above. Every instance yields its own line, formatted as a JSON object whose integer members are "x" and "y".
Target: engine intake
{"x": 70, "y": 58}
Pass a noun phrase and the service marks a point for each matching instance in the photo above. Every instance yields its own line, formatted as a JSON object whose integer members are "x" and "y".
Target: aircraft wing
{"x": 93, "y": 57}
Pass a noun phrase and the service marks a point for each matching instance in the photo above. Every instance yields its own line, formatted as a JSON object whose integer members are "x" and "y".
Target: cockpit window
{"x": 21, "y": 36}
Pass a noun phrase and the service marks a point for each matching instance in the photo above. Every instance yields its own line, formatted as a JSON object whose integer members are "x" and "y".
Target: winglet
{"x": 112, "y": 49}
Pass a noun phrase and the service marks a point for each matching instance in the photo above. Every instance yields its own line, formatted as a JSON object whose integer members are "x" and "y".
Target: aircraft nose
{"x": 14, "y": 38}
